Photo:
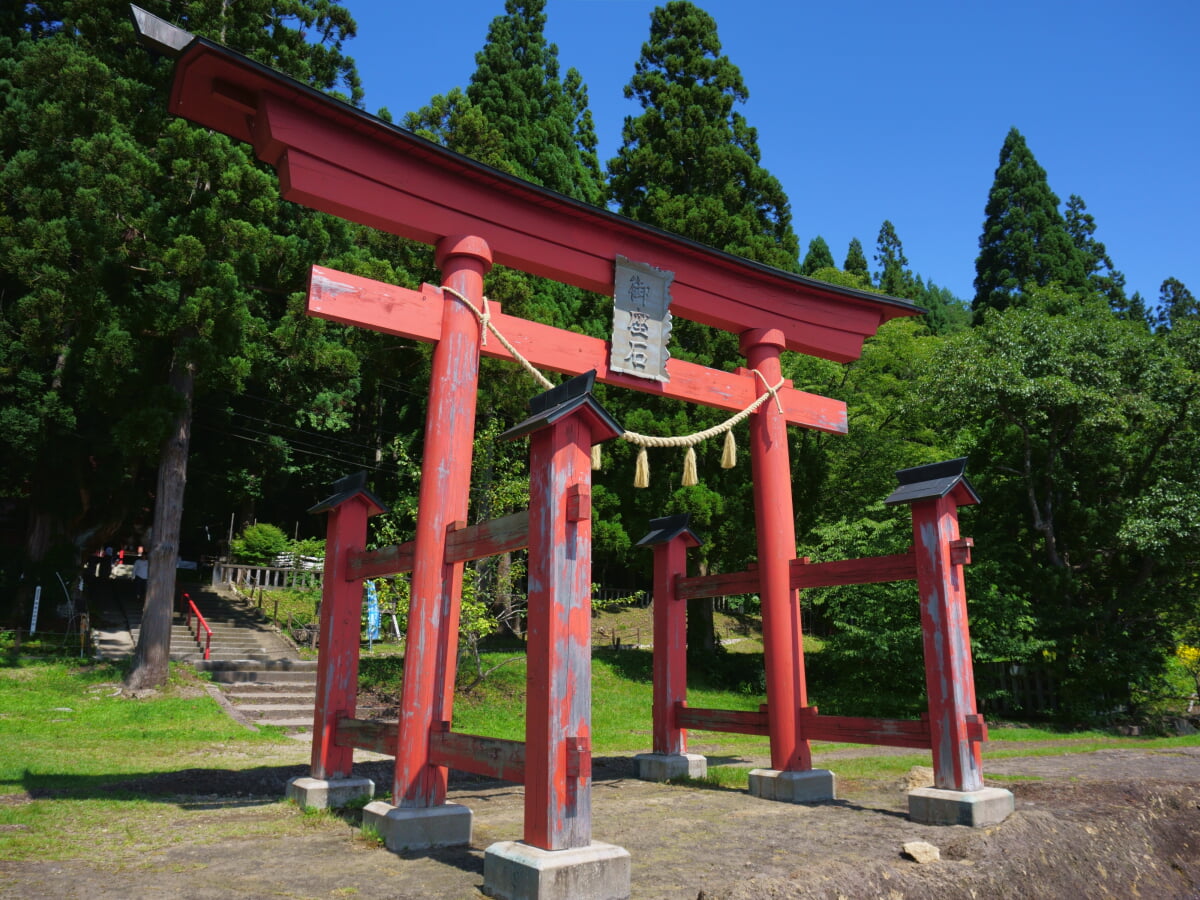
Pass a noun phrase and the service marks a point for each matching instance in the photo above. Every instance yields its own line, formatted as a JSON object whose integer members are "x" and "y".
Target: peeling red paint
{"x": 427, "y": 693}
{"x": 949, "y": 673}
{"x": 670, "y": 643}
{"x": 783, "y": 652}
{"x": 337, "y": 671}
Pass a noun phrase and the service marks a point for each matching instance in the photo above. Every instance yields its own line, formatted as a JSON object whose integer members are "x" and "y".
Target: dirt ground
{"x": 1106, "y": 824}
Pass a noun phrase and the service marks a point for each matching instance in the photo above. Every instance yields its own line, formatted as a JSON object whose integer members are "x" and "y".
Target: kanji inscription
{"x": 641, "y": 320}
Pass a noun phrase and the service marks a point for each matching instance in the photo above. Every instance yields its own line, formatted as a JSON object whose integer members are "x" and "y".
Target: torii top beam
{"x": 338, "y": 159}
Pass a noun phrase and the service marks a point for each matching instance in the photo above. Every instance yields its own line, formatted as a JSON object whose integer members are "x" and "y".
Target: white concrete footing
{"x": 514, "y": 870}
{"x": 934, "y": 806}
{"x": 334, "y": 793}
{"x": 665, "y": 766}
{"x": 448, "y": 825}
{"x": 811, "y": 786}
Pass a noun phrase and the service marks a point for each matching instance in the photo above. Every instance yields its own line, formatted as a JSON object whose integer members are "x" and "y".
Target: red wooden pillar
{"x": 783, "y": 649}
{"x": 671, "y": 539}
{"x": 949, "y": 674}
{"x": 429, "y": 663}
{"x": 340, "y": 625}
{"x": 956, "y": 730}
{"x": 566, "y": 422}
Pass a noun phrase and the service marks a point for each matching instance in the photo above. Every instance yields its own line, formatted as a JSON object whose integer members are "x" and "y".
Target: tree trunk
{"x": 701, "y": 628}
{"x": 154, "y": 643}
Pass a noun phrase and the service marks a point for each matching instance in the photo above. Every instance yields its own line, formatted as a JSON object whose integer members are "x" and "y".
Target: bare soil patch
{"x": 1115, "y": 823}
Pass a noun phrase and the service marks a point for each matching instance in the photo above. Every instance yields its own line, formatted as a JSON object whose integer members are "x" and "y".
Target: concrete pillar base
{"x": 448, "y": 825}
{"x": 334, "y": 793}
{"x": 514, "y": 870}
{"x": 811, "y": 786}
{"x": 933, "y": 806}
{"x": 665, "y": 766}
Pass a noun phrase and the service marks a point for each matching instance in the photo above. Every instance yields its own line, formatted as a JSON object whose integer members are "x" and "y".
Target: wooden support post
{"x": 955, "y": 729}
{"x": 783, "y": 649}
{"x": 670, "y": 646}
{"x": 558, "y": 806}
{"x": 558, "y": 772}
{"x": 427, "y": 696}
{"x": 671, "y": 539}
{"x": 340, "y": 628}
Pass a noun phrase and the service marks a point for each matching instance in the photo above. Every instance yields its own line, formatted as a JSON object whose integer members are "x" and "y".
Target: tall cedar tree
{"x": 1025, "y": 242}
{"x": 895, "y": 279}
{"x": 1175, "y": 304}
{"x": 141, "y": 256}
{"x": 818, "y": 257}
{"x": 1097, "y": 264}
{"x": 690, "y": 164}
{"x": 544, "y": 119}
{"x": 856, "y": 260}
{"x": 944, "y": 312}
{"x": 518, "y": 115}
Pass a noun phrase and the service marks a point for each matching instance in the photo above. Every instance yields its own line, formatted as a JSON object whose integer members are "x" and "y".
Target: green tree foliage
{"x": 818, "y": 257}
{"x": 260, "y": 543}
{"x": 1175, "y": 304}
{"x": 872, "y": 659}
{"x": 1098, "y": 265}
{"x": 1135, "y": 310}
{"x": 1025, "y": 242}
{"x": 690, "y": 163}
{"x": 945, "y": 313}
{"x": 141, "y": 257}
{"x": 895, "y": 279}
{"x": 856, "y": 260}
{"x": 518, "y": 115}
{"x": 547, "y": 127}
{"x": 453, "y": 121}
{"x": 1081, "y": 428}
{"x": 872, "y": 662}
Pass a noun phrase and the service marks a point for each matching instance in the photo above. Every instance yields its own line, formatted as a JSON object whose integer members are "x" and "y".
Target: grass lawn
{"x": 71, "y": 743}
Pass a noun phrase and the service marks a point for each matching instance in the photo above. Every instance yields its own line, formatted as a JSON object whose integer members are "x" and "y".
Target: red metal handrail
{"x": 191, "y": 608}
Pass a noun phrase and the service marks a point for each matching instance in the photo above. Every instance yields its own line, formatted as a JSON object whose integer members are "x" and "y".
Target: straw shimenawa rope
{"x": 641, "y": 476}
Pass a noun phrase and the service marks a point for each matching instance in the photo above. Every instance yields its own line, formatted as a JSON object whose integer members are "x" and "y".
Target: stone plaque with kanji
{"x": 641, "y": 320}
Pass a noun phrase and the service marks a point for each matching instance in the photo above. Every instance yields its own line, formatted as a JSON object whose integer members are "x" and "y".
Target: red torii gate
{"x": 335, "y": 158}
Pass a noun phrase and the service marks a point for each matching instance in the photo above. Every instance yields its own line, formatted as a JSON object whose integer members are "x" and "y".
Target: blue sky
{"x": 894, "y": 110}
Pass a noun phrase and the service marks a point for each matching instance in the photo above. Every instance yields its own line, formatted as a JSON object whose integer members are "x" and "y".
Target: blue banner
{"x": 372, "y": 612}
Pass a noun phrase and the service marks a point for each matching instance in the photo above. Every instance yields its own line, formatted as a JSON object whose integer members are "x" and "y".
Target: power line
{"x": 254, "y": 438}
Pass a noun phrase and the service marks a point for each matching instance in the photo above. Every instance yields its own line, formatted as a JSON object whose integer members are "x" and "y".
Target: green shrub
{"x": 308, "y": 547}
{"x": 259, "y": 544}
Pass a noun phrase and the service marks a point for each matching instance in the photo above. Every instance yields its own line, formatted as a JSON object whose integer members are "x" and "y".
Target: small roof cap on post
{"x": 668, "y": 528}
{"x": 159, "y": 34}
{"x": 932, "y": 481}
{"x": 560, "y": 401}
{"x": 347, "y": 488}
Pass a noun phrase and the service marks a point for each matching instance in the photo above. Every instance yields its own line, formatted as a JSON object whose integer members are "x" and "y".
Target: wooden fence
{"x": 1008, "y": 688}
{"x": 267, "y": 576}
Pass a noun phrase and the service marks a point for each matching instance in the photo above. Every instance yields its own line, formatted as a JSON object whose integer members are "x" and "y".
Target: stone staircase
{"x": 257, "y": 674}
{"x": 261, "y": 677}
{"x": 280, "y": 692}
